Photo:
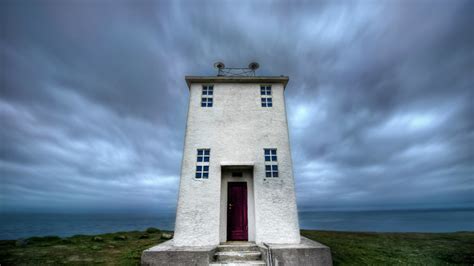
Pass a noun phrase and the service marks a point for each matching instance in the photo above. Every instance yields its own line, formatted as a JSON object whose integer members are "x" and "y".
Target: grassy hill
{"x": 348, "y": 248}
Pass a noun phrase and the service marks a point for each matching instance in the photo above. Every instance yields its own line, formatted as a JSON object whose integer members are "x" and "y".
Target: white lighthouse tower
{"x": 237, "y": 179}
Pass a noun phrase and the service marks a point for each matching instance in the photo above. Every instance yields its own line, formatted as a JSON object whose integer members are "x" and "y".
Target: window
{"x": 206, "y": 102}
{"x": 270, "y": 155}
{"x": 202, "y": 167}
{"x": 266, "y": 90}
{"x": 208, "y": 90}
{"x": 271, "y": 164}
{"x": 271, "y": 170}
{"x": 202, "y": 171}
{"x": 266, "y": 102}
{"x": 266, "y": 94}
{"x": 207, "y": 95}
{"x": 203, "y": 155}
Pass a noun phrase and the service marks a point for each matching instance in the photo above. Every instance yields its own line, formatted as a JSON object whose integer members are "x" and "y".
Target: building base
{"x": 167, "y": 254}
{"x": 308, "y": 252}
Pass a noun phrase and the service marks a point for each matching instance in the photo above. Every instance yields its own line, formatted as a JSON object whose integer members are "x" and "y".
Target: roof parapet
{"x": 247, "y": 79}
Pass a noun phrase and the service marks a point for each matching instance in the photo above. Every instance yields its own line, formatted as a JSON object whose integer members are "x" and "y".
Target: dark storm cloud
{"x": 93, "y": 101}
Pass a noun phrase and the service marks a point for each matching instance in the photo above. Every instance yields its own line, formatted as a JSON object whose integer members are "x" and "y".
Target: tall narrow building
{"x": 237, "y": 179}
{"x": 236, "y": 176}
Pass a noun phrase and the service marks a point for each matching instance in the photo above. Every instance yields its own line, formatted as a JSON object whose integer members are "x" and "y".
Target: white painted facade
{"x": 236, "y": 129}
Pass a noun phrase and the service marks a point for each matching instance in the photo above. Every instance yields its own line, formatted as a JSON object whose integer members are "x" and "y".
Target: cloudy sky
{"x": 93, "y": 100}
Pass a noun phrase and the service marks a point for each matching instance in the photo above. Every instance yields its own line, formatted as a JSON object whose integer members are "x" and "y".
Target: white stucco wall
{"x": 236, "y": 129}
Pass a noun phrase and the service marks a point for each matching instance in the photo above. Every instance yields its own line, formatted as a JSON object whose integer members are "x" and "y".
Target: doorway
{"x": 237, "y": 221}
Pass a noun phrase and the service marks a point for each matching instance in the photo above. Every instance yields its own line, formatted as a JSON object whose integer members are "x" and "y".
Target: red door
{"x": 237, "y": 228}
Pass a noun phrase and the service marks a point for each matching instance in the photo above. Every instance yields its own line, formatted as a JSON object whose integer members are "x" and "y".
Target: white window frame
{"x": 207, "y": 95}
{"x": 266, "y": 96}
{"x": 271, "y": 166}
{"x": 203, "y": 165}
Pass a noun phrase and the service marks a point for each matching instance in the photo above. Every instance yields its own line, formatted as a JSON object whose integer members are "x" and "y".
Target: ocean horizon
{"x": 24, "y": 225}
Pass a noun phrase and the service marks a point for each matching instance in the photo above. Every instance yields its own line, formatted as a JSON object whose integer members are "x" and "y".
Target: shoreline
{"x": 15, "y": 226}
{"x": 301, "y": 229}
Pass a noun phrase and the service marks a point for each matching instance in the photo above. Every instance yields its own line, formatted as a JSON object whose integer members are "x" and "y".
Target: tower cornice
{"x": 254, "y": 79}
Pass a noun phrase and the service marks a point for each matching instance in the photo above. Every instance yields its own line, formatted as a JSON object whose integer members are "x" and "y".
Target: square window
{"x": 206, "y": 102}
{"x": 206, "y": 159}
{"x": 266, "y": 100}
{"x": 198, "y": 175}
{"x": 199, "y": 158}
{"x": 275, "y": 167}
{"x": 268, "y": 174}
{"x": 275, "y": 174}
{"x": 270, "y": 155}
{"x": 205, "y": 175}
{"x": 268, "y": 167}
{"x": 200, "y": 152}
{"x": 206, "y": 89}
{"x": 198, "y": 168}
{"x": 206, "y": 168}
{"x": 265, "y": 90}
{"x": 207, "y": 152}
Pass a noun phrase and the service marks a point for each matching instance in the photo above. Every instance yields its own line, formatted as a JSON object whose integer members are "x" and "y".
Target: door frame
{"x": 226, "y": 177}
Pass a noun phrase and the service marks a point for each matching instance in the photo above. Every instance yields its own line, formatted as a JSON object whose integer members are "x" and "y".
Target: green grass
{"x": 348, "y": 248}
{"x": 108, "y": 249}
{"x": 351, "y": 248}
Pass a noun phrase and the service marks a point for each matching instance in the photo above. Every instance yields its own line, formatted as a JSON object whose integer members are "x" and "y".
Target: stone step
{"x": 237, "y": 243}
{"x": 221, "y": 256}
{"x": 240, "y": 247}
{"x": 238, "y": 263}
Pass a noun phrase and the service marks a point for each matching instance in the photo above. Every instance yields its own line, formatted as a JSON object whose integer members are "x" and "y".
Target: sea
{"x": 24, "y": 225}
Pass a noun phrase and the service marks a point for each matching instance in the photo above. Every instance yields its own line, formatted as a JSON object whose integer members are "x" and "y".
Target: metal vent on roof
{"x": 223, "y": 71}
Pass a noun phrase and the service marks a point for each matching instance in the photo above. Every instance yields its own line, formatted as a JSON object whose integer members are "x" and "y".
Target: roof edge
{"x": 219, "y": 79}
